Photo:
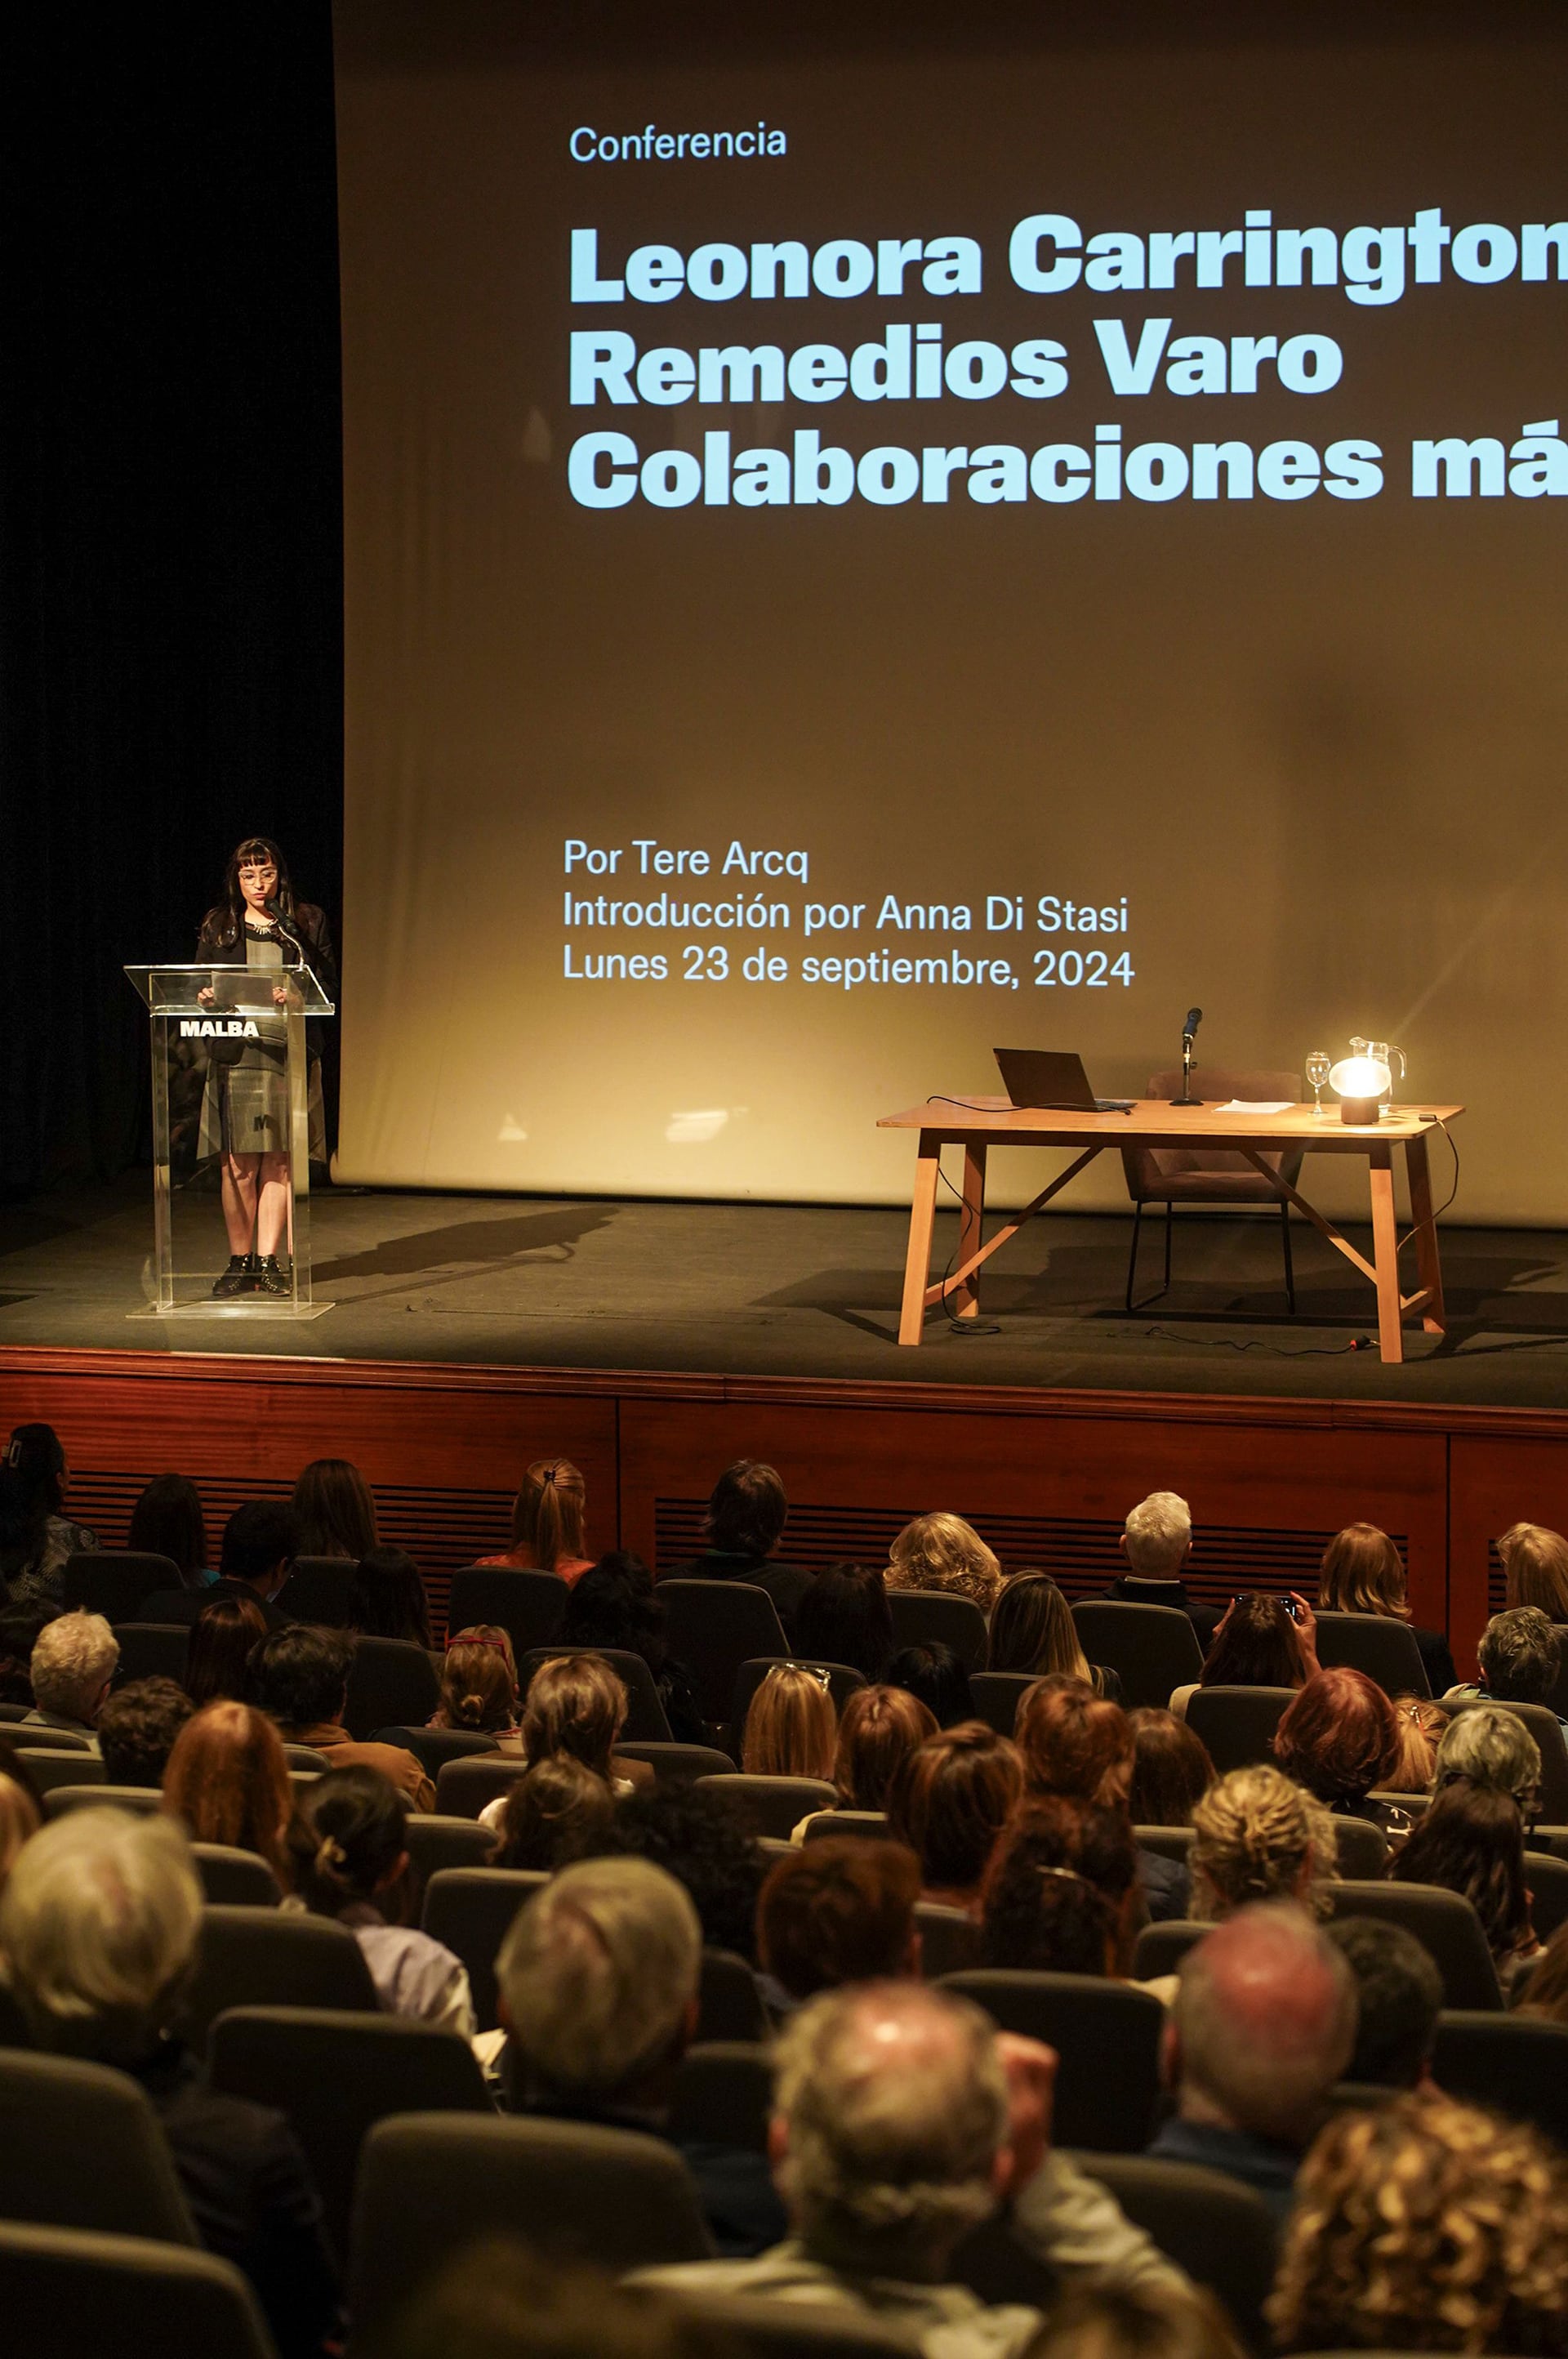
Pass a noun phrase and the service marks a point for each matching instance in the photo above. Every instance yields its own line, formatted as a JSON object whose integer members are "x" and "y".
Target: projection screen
{"x": 863, "y": 551}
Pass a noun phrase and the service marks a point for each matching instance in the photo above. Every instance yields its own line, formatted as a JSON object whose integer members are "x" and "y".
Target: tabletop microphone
{"x": 1194, "y": 1018}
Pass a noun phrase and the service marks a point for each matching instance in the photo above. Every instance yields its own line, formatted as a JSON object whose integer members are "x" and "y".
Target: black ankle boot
{"x": 239, "y": 1278}
{"x": 269, "y": 1279}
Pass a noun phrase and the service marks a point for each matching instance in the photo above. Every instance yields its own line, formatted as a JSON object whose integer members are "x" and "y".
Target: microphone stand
{"x": 1187, "y": 1098}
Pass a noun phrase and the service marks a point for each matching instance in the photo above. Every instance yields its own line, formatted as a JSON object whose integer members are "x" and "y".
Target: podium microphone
{"x": 284, "y": 927}
{"x": 1189, "y": 1029}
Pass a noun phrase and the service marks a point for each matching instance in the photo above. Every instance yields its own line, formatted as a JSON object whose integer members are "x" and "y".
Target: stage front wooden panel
{"x": 1046, "y": 1476}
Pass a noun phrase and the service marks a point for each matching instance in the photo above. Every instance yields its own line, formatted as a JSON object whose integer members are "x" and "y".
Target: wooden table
{"x": 977, "y": 1123}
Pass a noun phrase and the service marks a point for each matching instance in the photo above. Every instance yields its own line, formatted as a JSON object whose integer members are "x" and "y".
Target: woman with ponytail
{"x": 547, "y": 1522}
{"x": 354, "y": 1865}
{"x": 479, "y": 1686}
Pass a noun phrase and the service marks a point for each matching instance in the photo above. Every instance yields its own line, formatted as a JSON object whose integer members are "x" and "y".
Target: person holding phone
{"x": 1264, "y": 1641}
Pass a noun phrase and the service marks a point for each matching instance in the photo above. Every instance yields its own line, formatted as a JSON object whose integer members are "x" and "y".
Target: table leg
{"x": 966, "y": 1298}
{"x": 1428, "y": 1257}
{"x": 922, "y": 1215}
{"x": 1385, "y": 1252}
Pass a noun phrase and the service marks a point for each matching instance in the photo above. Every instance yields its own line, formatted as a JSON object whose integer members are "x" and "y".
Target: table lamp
{"x": 1362, "y": 1082}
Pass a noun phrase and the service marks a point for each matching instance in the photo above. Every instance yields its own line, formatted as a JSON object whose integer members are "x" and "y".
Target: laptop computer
{"x": 1049, "y": 1081}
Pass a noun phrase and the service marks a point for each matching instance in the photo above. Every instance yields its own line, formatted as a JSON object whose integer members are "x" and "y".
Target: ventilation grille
{"x": 1497, "y": 1580}
{"x": 1082, "y": 1554}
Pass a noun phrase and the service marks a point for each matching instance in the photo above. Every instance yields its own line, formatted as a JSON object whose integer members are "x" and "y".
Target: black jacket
{"x": 739, "y": 2201}
{"x": 1131, "y": 1589}
{"x": 185, "y": 1604}
{"x": 786, "y": 1584}
{"x": 222, "y": 943}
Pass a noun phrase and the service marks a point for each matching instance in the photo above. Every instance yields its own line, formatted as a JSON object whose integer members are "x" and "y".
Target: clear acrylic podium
{"x": 200, "y": 1016}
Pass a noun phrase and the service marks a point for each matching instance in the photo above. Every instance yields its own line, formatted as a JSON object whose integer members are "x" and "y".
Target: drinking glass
{"x": 1317, "y": 1066}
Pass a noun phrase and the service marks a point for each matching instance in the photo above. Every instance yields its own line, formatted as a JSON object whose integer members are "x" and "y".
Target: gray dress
{"x": 245, "y": 1109}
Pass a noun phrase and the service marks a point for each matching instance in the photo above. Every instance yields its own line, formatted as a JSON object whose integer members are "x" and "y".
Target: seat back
{"x": 527, "y": 1604}
{"x": 1167, "y": 1843}
{"x": 306, "y": 1757}
{"x": 336, "y": 2075}
{"x": 764, "y": 2328}
{"x": 142, "y": 1802}
{"x": 472, "y": 1909}
{"x": 38, "y": 1736}
{"x": 934, "y": 1618}
{"x": 871, "y": 1825}
{"x": 1107, "y": 2038}
{"x": 1220, "y": 2233}
{"x": 1547, "y": 1730}
{"x": 113, "y": 1582}
{"x": 1161, "y": 1947}
{"x": 1385, "y": 1650}
{"x": 1546, "y": 1880}
{"x": 434, "y": 1843}
{"x": 319, "y": 1590}
{"x": 120, "y": 2296}
{"x": 80, "y": 2147}
{"x": 429, "y": 2182}
{"x": 949, "y": 1939}
{"x": 1237, "y": 1725}
{"x": 996, "y": 1696}
{"x": 273, "y": 1957}
{"x": 1362, "y": 1849}
{"x": 675, "y": 1764}
{"x": 234, "y": 1879}
{"x": 724, "y": 2094}
{"x": 1512, "y": 2064}
{"x": 49, "y": 1769}
{"x": 714, "y": 1626}
{"x": 1153, "y": 1649}
{"x": 390, "y": 1681}
{"x": 842, "y": 1681}
{"x": 729, "y": 2005}
{"x": 773, "y": 1806}
{"x": 1444, "y": 1922}
{"x": 464, "y": 1787}
{"x": 434, "y": 1748}
{"x": 152, "y": 1650}
{"x": 645, "y": 1715}
{"x": 1148, "y": 1167}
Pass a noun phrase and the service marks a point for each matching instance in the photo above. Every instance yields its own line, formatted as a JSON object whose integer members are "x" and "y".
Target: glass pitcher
{"x": 1391, "y": 1060}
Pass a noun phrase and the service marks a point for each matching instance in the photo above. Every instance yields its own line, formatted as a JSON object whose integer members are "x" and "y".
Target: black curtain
{"x": 170, "y": 524}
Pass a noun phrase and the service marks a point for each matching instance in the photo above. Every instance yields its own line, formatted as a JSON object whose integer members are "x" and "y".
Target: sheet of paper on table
{"x": 1256, "y": 1106}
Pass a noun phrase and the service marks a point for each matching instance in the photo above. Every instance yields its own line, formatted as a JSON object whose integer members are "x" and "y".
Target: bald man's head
{"x": 892, "y": 2117}
{"x": 1263, "y": 2025}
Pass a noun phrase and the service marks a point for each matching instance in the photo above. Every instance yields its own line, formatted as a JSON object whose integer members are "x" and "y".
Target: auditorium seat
{"x": 233, "y": 1878}
{"x": 306, "y": 1757}
{"x": 465, "y": 1788}
{"x": 842, "y": 1681}
{"x": 1442, "y": 1921}
{"x": 391, "y": 1680}
{"x": 113, "y": 1582}
{"x": 996, "y": 1696}
{"x": 152, "y": 1650}
{"x": 1513, "y": 2064}
{"x": 1361, "y": 1849}
{"x": 937, "y": 1617}
{"x": 430, "y": 2183}
{"x": 773, "y": 1806}
{"x": 729, "y": 2003}
{"x": 272, "y": 1957}
{"x": 1546, "y": 1880}
{"x": 1167, "y": 1843}
{"x": 49, "y": 1769}
{"x": 724, "y": 2093}
{"x": 645, "y": 1714}
{"x": 433, "y": 1843}
{"x": 1384, "y": 1649}
{"x": 434, "y": 1748}
{"x": 144, "y": 1801}
{"x": 1153, "y": 1649}
{"x": 124, "y": 2296}
{"x": 1161, "y": 1947}
{"x": 336, "y": 2075}
{"x": 871, "y": 1825}
{"x": 80, "y": 2147}
{"x": 1237, "y": 1725}
{"x": 714, "y": 1626}
{"x": 1107, "y": 2038}
{"x": 674, "y": 1765}
{"x": 472, "y": 1909}
{"x": 527, "y": 1605}
{"x": 949, "y": 1939}
{"x": 319, "y": 1589}
{"x": 38, "y": 1736}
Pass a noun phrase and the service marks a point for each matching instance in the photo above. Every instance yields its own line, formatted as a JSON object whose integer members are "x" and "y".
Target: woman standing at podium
{"x": 245, "y": 1110}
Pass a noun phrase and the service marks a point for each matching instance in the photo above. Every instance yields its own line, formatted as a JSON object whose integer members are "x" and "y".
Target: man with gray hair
{"x": 1156, "y": 1540}
{"x": 902, "y": 2119}
{"x": 598, "y": 1992}
{"x": 1521, "y": 1654}
{"x": 1490, "y": 1746}
{"x": 74, "y": 1659}
{"x": 1263, "y": 2026}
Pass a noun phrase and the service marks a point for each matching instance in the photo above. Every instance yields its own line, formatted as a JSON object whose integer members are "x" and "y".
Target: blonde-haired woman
{"x": 1362, "y": 1572}
{"x": 792, "y": 1727}
{"x": 18, "y": 1820}
{"x": 1535, "y": 1568}
{"x": 479, "y": 1686}
{"x": 547, "y": 1522}
{"x": 1258, "y": 1836}
{"x": 943, "y": 1552}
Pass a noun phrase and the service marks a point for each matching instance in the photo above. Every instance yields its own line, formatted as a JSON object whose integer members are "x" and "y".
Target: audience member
{"x": 261, "y": 1541}
{"x": 902, "y": 2119}
{"x": 35, "y": 1534}
{"x": 1399, "y": 1993}
{"x": 1471, "y": 1840}
{"x": 1072, "y": 1742}
{"x": 936, "y": 1677}
{"x": 1170, "y": 1769}
{"x": 1546, "y": 1991}
{"x": 497, "y": 2297}
{"x": 1520, "y": 1655}
{"x": 598, "y": 1982}
{"x": 1339, "y": 1737}
{"x": 577, "y": 1704}
{"x": 950, "y": 1800}
{"x": 300, "y": 1676}
{"x": 1152, "y": 2321}
{"x": 1490, "y": 1746}
{"x": 877, "y": 1727}
{"x": 745, "y": 1521}
{"x": 1259, "y": 1643}
{"x": 943, "y": 1552}
{"x": 702, "y": 1839}
{"x": 98, "y": 1924}
{"x": 227, "y": 1781}
{"x": 1419, "y": 1725}
{"x": 555, "y": 1812}
{"x": 616, "y": 1604}
{"x": 1156, "y": 1542}
{"x": 167, "y": 1520}
{"x": 19, "y": 1629}
{"x": 1032, "y": 1630}
{"x": 842, "y": 1910}
{"x": 1262, "y": 2027}
{"x": 791, "y": 1729}
{"x": 1535, "y": 1568}
{"x": 136, "y": 1730}
{"x": 1260, "y": 1837}
{"x": 1362, "y": 1572}
{"x": 223, "y": 1636}
{"x": 547, "y": 1522}
{"x": 1062, "y": 1895}
{"x": 479, "y": 1686}
{"x": 355, "y": 1866}
{"x": 74, "y": 1658}
{"x": 19, "y": 1819}
{"x": 336, "y": 1510}
{"x": 845, "y": 1617}
{"x": 1425, "y": 2225}
{"x": 386, "y": 1597}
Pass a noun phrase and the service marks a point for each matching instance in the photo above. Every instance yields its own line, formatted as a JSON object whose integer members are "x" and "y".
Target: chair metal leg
{"x": 1290, "y": 1265}
{"x": 1133, "y": 1256}
{"x": 1170, "y": 1216}
{"x": 1132, "y": 1261}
